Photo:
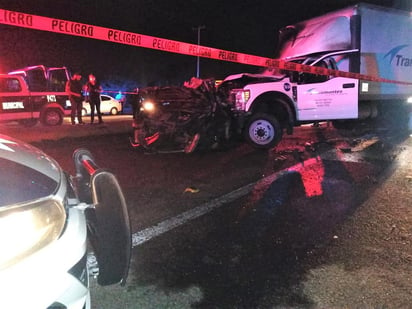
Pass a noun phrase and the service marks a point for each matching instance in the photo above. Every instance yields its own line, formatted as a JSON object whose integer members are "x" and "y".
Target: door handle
{"x": 351, "y": 85}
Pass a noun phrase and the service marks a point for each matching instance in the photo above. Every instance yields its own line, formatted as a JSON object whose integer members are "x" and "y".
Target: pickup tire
{"x": 52, "y": 117}
{"x": 263, "y": 131}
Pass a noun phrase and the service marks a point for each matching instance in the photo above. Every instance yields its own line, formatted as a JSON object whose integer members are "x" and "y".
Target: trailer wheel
{"x": 52, "y": 117}
{"x": 263, "y": 131}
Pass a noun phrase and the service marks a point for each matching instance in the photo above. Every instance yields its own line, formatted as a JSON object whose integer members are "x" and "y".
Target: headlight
{"x": 409, "y": 100}
{"x": 148, "y": 106}
{"x": 28, "y": 228}
{"x": 240, "y": 98}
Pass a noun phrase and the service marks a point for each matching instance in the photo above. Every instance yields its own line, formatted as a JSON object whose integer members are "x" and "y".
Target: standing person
{"x": 74, "y": 89}
{"x": 135, "y": 102}
{"x": 93, "y": 88}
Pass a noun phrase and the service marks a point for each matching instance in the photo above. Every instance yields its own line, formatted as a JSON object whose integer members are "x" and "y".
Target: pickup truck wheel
{"x": 52, "y": 117}
{"x": 263, "y": 131}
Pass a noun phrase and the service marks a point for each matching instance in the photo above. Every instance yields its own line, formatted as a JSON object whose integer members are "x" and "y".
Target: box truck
{"x": 364, "y": 39}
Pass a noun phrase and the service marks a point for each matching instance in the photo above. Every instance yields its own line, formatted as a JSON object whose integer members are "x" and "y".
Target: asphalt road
{"x": 232, "y": 228}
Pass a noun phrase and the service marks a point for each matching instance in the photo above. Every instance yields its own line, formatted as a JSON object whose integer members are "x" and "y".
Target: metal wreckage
{"x": 181, "y": 119}
{"x": 333, "y": 85}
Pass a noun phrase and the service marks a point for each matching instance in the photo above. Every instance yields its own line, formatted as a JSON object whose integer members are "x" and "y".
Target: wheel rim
{"x": 261, "y": 132}
{"x": 52, "y": 118}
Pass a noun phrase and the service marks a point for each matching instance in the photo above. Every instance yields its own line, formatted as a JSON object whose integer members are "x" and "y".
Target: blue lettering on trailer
{"x": 403, "y": 61}
{"x": 400, "y": 60}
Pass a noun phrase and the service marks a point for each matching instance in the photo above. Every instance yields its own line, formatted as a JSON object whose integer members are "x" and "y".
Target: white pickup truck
{"x": 363, "y": 39}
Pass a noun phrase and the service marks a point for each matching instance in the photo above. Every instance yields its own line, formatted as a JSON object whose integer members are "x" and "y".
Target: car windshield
{"x": 19, "y": 183}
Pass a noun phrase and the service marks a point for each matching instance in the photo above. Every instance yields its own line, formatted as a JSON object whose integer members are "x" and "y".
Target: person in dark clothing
{"x": 94, "y": 89}
{"x": 74, "y": 89}
{"x": 135, "y": 102}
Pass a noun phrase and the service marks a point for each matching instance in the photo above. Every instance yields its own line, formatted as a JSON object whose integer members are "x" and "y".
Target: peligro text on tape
{"x": 72, "y": 28}
{"x": 36, "y": 22}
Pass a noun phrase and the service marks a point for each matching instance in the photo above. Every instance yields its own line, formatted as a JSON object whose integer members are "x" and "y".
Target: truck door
{"x": 15, "y": 102}
{"x": 57, "y": 78}
{"x": 322, "y": 97}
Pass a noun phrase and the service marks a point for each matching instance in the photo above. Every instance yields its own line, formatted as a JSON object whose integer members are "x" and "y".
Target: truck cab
{"x": 19, "y": 103}
{"x": 265, "y": 105}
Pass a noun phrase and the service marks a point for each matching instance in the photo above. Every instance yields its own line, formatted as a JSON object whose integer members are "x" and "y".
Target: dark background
{"x": 247, "y": 26}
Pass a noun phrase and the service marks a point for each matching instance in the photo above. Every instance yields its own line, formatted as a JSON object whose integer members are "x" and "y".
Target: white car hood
{"x": 25, "y": 154}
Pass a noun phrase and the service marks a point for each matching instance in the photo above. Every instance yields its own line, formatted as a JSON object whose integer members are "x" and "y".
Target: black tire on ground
{"x": 52, "y": 117}
{"x": 263, "y": 131}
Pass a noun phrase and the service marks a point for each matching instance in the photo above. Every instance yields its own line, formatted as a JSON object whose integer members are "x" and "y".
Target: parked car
{"x": 109, "y": 105}
{"x": 46, "y": 218}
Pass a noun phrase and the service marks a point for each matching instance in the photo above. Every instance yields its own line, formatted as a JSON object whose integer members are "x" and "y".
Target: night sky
{"x": 246, "y": 26}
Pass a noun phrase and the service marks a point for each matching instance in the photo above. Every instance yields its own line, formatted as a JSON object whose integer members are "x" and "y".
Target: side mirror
{"x": 108, "y": 221}
{"x": 109, "y": 229}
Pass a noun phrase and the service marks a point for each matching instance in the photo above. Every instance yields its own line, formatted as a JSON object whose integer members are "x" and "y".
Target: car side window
{"x": 105, "y": 98}
{"x": 10, "y": 85}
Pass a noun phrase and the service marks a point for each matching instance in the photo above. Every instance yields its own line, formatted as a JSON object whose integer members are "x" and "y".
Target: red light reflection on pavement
{"x": 312, "y": 176}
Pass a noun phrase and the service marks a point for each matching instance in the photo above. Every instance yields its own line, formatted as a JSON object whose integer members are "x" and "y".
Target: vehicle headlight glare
{"x": 409, "y": 100}
{"x": 28, "y": 228}
{"x": 240, "y": 98}
{"x": 148, "y": 106}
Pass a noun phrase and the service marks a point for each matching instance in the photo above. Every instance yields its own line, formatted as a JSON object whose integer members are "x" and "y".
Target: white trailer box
{"x": 380, "y": 40}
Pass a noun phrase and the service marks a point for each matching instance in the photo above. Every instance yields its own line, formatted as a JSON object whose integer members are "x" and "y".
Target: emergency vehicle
{"x": 30, "y": 104}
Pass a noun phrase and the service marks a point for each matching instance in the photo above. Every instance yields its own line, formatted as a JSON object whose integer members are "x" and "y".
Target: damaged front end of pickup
{"x": 180, "y": 119}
